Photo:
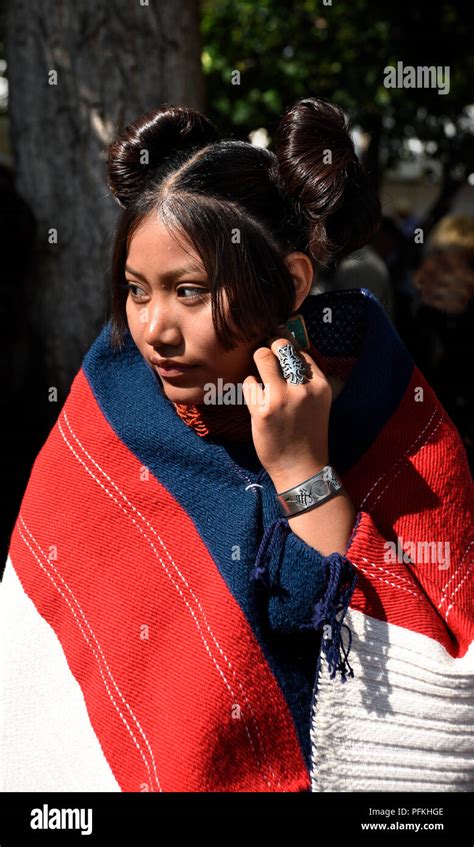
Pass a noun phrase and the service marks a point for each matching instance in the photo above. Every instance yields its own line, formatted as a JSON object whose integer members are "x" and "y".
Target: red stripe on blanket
{"x": 422, "y": 496}
{"x": 176, "y": 686}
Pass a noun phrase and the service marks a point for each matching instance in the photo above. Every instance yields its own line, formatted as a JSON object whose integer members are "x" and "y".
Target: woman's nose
{"x": 161, "y": 327}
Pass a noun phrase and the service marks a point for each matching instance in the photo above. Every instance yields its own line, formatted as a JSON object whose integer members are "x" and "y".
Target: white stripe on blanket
{"x": 46, "y": 739}
{"x": 404, "y": 722}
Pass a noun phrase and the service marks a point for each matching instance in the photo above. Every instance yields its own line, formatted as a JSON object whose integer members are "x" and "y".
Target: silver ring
{"x": 292, "y": 366}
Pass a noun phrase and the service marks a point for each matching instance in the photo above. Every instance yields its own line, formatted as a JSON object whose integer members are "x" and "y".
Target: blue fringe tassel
{"x": 330, "y": 609}
{"x": 272, "y": 539}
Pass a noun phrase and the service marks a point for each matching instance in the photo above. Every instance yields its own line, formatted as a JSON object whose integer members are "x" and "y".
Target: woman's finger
{"x": 253, "y": 392}
{"x": 269, "y": 366}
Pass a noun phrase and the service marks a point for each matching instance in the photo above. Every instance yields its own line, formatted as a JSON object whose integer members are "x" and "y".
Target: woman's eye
{"x": 128, "y": 286}
{"x": 198, "y": 292}
{"x": 137, "y": 287}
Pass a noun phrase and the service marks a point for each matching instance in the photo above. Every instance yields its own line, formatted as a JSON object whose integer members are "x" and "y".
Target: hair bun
{"x": 324, "y": 180}
{"x": 160, "y": 132}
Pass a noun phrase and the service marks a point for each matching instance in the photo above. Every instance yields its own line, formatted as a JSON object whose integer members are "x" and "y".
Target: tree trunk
{"x": 114, "y": 60}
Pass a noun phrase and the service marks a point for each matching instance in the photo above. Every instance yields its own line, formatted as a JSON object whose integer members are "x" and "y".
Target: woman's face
{"x": 169, "y": 315}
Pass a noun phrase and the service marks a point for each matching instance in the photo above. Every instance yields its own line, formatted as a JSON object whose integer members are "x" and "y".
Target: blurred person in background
{"x": 363, "y": 269}
{"x": 445, "y": 320}
{"x": 393, "y": 247}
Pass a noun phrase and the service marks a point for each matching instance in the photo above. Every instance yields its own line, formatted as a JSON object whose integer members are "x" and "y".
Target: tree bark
{"x": 114, "y": 60}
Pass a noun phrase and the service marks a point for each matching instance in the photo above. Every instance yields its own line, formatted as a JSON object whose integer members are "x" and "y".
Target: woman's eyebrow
{"x": 170, "y": 276}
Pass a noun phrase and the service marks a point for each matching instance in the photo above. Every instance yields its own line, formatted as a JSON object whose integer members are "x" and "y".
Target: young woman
{"x": 242, "y": 561}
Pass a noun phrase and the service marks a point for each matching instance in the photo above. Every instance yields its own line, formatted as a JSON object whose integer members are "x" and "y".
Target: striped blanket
{"x": 162, "y": 628}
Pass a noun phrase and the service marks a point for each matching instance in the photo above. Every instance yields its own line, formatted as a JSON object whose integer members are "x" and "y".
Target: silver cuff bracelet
{"x": 312, "y": 492}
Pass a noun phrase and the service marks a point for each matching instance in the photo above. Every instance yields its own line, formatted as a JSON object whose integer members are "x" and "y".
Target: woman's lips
{"x": 173, "y": 371}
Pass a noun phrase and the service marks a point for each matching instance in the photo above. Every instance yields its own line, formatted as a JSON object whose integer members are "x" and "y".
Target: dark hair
{"x": 310, "y": 195}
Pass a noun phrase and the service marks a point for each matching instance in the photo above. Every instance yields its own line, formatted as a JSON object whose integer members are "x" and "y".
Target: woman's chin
{"x": 191, "y": 394}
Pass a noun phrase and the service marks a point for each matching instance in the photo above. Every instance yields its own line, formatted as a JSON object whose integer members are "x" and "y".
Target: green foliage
{"x": 286, "y": 49}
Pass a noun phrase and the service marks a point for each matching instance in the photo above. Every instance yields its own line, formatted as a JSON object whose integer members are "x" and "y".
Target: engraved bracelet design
{"x": 312, "y": 492}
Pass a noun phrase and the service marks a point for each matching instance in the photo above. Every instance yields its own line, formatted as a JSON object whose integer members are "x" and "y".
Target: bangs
{"x": 243, "y": 262}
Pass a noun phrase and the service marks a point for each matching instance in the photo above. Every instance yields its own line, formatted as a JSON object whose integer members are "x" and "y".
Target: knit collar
{"x": 232, "y": 421}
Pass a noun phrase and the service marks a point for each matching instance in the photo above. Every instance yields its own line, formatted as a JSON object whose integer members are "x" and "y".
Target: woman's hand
{"x": 289, "y": 421}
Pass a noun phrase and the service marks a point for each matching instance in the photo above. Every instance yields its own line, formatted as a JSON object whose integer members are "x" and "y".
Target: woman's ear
{"x": 302, "y": 271}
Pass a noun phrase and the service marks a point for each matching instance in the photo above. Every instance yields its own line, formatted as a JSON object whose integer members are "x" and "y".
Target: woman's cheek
{"x": 135, "y": 325}
{"x": 129, "y": 314}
